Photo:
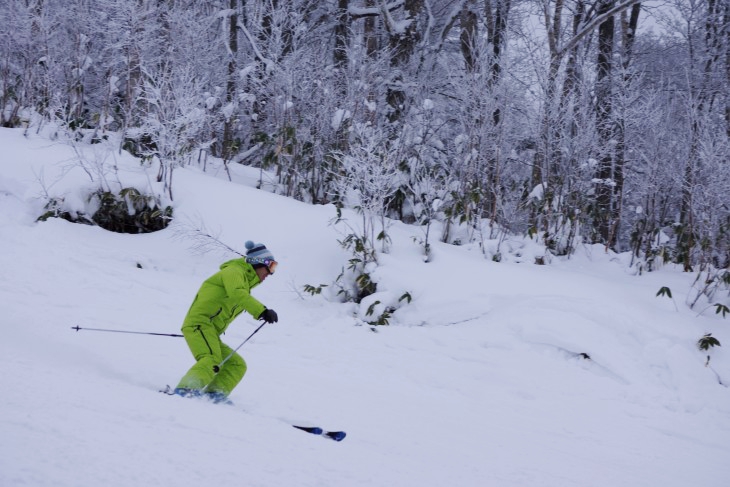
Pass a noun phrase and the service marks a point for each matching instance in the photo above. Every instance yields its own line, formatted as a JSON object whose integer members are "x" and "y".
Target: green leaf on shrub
{"x": 664, "y": 291}
{"x": 707, "y": 341}
{"x": 314, "y": 290}
{"x": 371, "y": 308}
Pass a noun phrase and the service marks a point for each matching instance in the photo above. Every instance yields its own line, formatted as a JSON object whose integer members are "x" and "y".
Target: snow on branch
{"x": 270, "y": 65}
{"x": 361, "y": 12}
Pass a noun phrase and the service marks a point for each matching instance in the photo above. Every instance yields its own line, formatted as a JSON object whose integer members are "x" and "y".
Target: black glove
{"x": 269, "y": 316}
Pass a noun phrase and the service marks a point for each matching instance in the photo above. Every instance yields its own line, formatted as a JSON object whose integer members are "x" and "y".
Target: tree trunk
{"x": 628, "y": 34}
{"x": 371, "y": 49}
{"x": 572, "y": 69}
{"x": 469, "y": 35}
{"x": 496, "y": 28}
{"x": 604, "y": 178}
{"x": 342, "y": 32}
{"x": 229, "y": 148}
{"x": 547, "y": 146}
{"x": 403, "y": 44}
{"x": 726, "y": 23}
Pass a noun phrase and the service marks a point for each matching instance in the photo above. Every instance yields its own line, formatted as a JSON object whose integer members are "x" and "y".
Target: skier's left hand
{"x": 269, "y": 316}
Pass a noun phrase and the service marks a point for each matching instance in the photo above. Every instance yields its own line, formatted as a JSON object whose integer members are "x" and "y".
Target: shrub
{"x": 129, "y": 211}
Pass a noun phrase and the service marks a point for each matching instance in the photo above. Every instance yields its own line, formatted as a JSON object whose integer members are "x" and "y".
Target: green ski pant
{"x": 208, "y": 350}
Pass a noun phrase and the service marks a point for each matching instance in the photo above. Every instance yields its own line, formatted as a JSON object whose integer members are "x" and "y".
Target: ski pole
{"x": 218, "y": 367}
{"x": 77, "y": 328}
{"x": 242, "y": 343}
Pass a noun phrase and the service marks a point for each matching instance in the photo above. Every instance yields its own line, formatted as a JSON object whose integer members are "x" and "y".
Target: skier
{"x": 221, "y": 298}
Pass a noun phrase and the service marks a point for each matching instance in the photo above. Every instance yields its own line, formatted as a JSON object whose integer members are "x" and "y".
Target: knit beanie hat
{"x": 257, "y": 253}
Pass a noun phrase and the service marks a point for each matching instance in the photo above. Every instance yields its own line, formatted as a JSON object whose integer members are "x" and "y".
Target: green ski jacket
{"x": 224, "y": 295}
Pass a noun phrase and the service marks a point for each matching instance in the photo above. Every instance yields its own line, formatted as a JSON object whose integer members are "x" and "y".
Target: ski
{"x": 316, "y": 430}
{"x": 216, "y": 398}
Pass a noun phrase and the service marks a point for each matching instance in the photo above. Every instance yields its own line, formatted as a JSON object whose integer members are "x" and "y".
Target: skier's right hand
{"x": 269, "y": 316}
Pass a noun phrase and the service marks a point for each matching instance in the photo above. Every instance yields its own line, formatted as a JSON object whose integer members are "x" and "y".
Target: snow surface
{"x": 478, "y": 381}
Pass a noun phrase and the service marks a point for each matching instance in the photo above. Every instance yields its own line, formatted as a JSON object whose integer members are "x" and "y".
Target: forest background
{"x": 571, "y": 121}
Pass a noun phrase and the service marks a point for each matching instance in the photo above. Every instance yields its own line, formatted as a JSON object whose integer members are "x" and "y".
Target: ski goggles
{"x": 270, "y": 265}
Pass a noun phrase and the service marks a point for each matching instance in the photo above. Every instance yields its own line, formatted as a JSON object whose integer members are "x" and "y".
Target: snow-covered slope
{"x": 479, "y": 381}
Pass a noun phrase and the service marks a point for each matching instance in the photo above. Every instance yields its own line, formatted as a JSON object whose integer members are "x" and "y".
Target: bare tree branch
{"x": 595, "y": 21}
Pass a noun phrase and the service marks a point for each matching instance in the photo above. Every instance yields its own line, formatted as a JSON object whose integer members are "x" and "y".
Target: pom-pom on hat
{"x": 257, "y": 253}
